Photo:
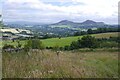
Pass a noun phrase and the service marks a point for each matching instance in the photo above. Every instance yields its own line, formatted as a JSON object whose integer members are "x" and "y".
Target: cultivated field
{"x": 69, "y": 64}
{"x": 64, "y": 41}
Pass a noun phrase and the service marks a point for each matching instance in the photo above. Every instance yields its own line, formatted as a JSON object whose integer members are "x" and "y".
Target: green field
{"x": 64, "y": 41}
{"x": 89, "y": 64}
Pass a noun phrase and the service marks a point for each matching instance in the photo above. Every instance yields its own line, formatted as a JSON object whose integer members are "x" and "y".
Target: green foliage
{"x": 89, "y": 42}
{"x": 6, "y": 46}
{"x": 98, "y": 30}
{"x": 34, "y": 44}
{"x": 80, "y": 33}
{"x": 74, "y": 45}
{"x": 28, "y": 45}
{"x": 89, "y": 31}
{"x": 84, "y": 42}
{"x": 19, "y": 45}
{"x": 67, "y": 48}
{"x": 56, "y": 47}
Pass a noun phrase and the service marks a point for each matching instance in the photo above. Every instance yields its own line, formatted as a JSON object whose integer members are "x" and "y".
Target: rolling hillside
{"x": 65, "y": 41}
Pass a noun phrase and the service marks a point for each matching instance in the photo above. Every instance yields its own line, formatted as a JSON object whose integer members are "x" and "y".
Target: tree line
{"x": 98, "y": 30}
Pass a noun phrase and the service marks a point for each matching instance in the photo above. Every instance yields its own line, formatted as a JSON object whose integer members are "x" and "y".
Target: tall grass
{"x": 102, "y": 64}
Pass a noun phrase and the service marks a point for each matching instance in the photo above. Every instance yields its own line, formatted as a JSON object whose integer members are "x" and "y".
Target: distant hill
{"x": 64, "y": 22}
{"x": 90, "y": 22}
{"x": 86, "y": 24}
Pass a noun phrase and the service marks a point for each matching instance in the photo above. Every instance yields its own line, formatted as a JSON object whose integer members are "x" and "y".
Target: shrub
{"x": 74, "y": 45}
{"x": 89, "y": 42}
{"x": 28, "y": 45}
{"x": 67, "y": 48}
{"x": 49, "y": 47}
{"x": 8, "y": 46}
{"x": 84, "y": 42}
{"x": 61, "y": 48}
{"x": 33, "y": 44}
{"x": 37, "y": 44}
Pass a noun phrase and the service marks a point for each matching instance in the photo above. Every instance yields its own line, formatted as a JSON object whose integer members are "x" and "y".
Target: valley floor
{"x": 68, "y": 64}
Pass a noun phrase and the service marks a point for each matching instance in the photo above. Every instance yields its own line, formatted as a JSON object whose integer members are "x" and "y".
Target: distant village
{"x": 15, "y": 33}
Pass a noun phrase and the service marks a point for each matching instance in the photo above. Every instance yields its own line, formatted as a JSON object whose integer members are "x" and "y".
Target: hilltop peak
{"x": 89, "y": 22}
{"x": 64, "y": 22}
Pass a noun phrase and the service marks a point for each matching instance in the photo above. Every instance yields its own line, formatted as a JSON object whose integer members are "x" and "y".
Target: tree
{"x": 77, "y": 33}
{"x": 83, "y": 32}
{"x": 28, "y": 45}
{"x": 88, "y": 42}
{"x": 90, "y": 31}
{"x": 74, "y": 45}
{"x": 34, "y": 44}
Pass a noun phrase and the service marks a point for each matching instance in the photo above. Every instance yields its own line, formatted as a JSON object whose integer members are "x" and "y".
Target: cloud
{"x": 56, "y": 10}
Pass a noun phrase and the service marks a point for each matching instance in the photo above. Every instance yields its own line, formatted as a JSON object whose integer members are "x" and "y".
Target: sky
{"x": 52, "y": 11}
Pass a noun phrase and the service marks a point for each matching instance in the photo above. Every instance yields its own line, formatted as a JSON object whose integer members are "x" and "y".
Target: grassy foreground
{"x": 77, "y": 64}
{"x": 64, "y": 41}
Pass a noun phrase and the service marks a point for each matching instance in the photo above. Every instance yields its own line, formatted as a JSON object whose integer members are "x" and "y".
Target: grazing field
{"x": 64, "y": 41}
{"x": 67, "y": 40}
{"x": 69, "y": 64}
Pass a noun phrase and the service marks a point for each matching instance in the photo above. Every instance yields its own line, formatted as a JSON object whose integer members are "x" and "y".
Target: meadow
{"x": 69, "y": 64}
{"x": 63, "y": 41}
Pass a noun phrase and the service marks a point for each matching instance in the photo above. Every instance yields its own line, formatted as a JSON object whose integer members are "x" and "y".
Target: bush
{"x": 89, "y": 42}
{"x": 33, "y": 44}
{"x": 74, "y": 45}
{"x": 37, "y": 44}
{"x": 84, "y": 42}
{"x": 61, "y": 48}
{"x": 67, "y": 48}
{"x": 8, "y": 46}
{"x": 49, "y": 47}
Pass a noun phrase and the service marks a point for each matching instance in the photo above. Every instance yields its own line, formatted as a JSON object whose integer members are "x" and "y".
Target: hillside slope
{"x": 68, "y": 40}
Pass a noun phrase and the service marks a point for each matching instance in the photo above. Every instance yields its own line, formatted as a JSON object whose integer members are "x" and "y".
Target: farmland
{"x": 69, "y": 64}
{"x": 64, "y": 41}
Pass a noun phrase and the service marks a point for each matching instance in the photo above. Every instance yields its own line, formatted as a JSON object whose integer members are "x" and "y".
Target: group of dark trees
{"x": 84, "y": 42}
{"x": 98, "y": 30}
{"x": 92, "y": 43}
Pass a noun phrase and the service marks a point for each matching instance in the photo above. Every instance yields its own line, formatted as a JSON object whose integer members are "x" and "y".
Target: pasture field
{"x": 63, "y": 41}
{"x": 69, "y": 64}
